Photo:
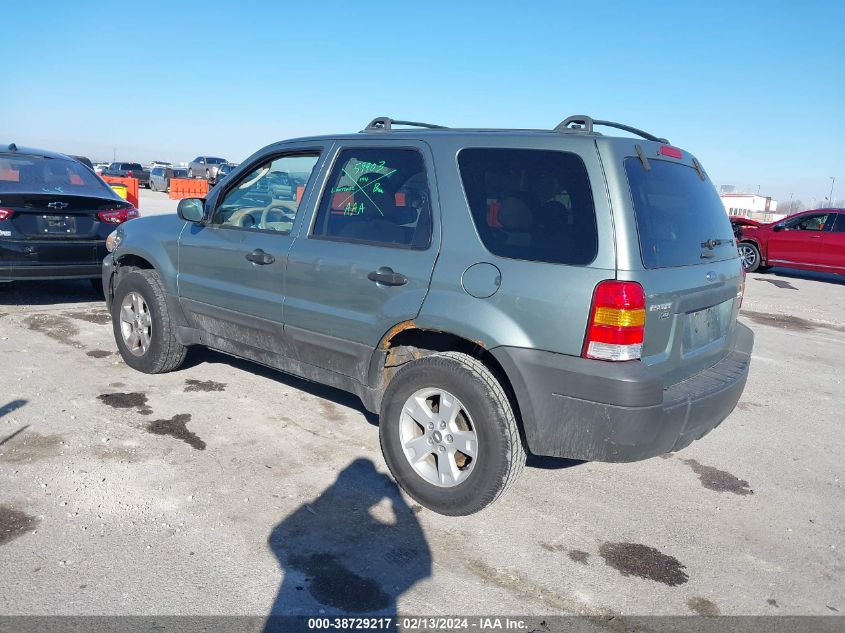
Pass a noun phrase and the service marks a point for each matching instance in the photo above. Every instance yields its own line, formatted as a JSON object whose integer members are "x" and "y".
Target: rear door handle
{"x": 387, "y": 277}
{"x": 815, "y": 237}
{"x": 258, "y": 256}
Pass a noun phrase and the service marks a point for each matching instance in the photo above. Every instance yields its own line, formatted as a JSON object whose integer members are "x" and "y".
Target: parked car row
{"x": 809, "y": 240}
{"x": 129, "y": 170}
{"x": 205, "y": 167}
{"x": 160, "y": 177}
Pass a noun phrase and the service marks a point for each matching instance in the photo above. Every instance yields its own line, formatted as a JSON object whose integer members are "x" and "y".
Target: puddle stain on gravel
{"x": 135, "y": 400}
{"x": 31, "y": 447}
{"x": 98, "y": 353}
{"x": 204, "y": 385}
{"x": 578, "y": 556}
{"x": 789, "y": 322}
{"x": 772, "y": 603}
{"x": 703, "y": 606}
{"x": 58, "y": 328}
{"x": 633, "y": 559}
{"x": 718, "y": 480}
{"x": 177, "y": 427}
{"x": 334, "y": 585}
{"x": 14, "y": 523}
{"x": 98, "y": 317}
{"x": 331, "y": 411}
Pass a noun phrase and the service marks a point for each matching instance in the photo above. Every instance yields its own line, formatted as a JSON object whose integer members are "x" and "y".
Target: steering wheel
{"x": 239, "y": 217}
{"x": 291, "y": 215}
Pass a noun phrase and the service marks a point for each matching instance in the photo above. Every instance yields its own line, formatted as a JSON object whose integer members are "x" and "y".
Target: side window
{"x": 809, "y": 222}
{"x": 839, "y": 227}
{"x": 268, "y": 197}
{"x": 531, "y": 204}
{"x": 378, "y": 196}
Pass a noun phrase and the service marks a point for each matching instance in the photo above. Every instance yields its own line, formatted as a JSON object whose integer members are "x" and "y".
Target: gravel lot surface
{"x": 227, "y": 488}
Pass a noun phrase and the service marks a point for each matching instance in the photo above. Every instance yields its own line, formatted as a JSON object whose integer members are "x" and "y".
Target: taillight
{"x": 741, "y": 294}
{"x": 617, "y": 322}
{"x": 118, "y": 216}
{"x": 5, "y": 214}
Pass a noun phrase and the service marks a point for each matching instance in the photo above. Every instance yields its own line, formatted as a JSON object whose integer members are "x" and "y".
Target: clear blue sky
{"x": 755, "y": 89}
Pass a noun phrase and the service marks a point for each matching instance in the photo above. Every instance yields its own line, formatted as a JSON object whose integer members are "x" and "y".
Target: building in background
{"x": 749, "y": 205}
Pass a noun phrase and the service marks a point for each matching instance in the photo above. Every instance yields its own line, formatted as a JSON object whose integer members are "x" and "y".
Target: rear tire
{"x": 477, "y": 414}
{"x": 147, "y": 316}
{"x": 749, "y": 255}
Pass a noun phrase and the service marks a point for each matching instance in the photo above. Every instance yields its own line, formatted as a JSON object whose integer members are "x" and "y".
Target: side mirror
{"x": 780, "y": 226}
{"x": 191, "y": 209}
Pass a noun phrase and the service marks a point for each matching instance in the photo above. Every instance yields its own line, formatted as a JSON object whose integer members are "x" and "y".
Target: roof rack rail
{"x": 385, "y": 124}
{"x": 581, "y": 122}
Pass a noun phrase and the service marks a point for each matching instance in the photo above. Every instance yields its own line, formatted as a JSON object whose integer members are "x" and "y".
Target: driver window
{"x": 268, "y": 197}
{"x": 811, "y": 223}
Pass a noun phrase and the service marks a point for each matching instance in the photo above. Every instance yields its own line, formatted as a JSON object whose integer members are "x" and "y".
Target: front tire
{"x": 449, "y": 434}
{"x": 143, "y": 329}
{"x": 749, "y": 255}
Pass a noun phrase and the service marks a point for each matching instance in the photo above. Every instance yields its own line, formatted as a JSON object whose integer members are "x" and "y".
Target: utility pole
{"x": 113, "y": 154}
{"x": 830, "y": 197}
{"x": 758, "y": 190}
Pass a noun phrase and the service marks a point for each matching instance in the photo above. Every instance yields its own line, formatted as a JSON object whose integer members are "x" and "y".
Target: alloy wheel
{"x": 747, "y": 255}
{"x": 136, "y": 324}
{"x": 438, "y": 437}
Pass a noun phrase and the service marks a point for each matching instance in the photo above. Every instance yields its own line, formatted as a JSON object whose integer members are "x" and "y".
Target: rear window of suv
{"x": 677, "y": 214}
{"x": 529, "y": 204}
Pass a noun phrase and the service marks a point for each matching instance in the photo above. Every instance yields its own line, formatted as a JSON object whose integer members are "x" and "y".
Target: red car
{"x": 810, "y": 240}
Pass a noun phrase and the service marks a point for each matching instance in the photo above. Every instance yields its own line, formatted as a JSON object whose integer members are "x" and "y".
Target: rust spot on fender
{"x": 396, "y": 329}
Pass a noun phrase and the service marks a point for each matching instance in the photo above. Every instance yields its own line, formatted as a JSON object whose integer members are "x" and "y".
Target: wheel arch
{"x": 406, "y": 342}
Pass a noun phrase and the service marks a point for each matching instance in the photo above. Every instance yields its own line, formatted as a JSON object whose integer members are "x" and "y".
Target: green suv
{"x": 486, "y": 292}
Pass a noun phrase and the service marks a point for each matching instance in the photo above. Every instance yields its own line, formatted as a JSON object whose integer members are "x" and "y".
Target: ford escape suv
{"x": 486, "y": 292}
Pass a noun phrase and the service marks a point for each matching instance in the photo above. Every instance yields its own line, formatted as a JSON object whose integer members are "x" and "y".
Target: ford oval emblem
{"x": 711, "y": 276}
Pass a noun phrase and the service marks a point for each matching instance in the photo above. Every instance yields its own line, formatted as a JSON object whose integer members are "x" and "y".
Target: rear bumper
{"x": 67, "y": 271}
{"x": 55, "y": 259}
{"x": 620, "y": 412}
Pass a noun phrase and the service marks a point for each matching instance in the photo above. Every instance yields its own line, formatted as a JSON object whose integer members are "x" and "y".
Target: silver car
{"x": 205, "y": 167}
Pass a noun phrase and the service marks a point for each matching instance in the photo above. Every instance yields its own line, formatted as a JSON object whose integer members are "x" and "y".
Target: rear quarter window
{"x": 534, "y": 205}
{"x": 677, "y": 214}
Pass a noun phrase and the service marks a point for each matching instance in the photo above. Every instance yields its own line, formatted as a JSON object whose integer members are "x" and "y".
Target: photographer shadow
{"x": 351, "y": 552}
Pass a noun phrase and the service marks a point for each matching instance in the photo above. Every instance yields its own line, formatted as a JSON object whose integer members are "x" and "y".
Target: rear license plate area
{"x": 707, "y": 325}
{"x": 56, "y": 225}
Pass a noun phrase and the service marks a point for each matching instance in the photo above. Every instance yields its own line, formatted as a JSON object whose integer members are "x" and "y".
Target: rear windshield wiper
{"x": 711, "y": 244}
{"x": 708, "y": 246}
